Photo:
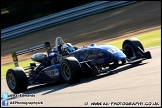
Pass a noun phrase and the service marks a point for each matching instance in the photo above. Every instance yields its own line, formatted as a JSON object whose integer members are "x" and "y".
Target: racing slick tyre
{"x": 130, "y": 47}
{"x": 17, "y": 80}
{"x": 71, "y": 70}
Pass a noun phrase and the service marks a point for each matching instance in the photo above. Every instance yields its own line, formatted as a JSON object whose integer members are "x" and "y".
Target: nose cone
{"x": 115, "y": 52}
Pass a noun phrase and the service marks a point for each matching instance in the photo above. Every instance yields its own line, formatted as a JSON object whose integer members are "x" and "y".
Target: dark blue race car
{"x": 57, "y": 65}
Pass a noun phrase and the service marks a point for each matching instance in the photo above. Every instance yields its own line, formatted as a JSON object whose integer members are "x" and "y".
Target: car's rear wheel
{"x": 17, "y": 80}
{"x": 71, "y": 70}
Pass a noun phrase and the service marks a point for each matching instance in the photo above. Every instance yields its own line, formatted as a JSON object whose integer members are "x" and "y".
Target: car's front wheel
{"x": 130, "y": 47}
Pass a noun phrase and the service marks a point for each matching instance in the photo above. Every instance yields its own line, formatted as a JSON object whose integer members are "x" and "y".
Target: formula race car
{"x": 56, "y": 65}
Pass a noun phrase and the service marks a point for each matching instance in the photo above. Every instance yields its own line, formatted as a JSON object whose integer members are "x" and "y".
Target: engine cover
{"x": 39, "y": 57}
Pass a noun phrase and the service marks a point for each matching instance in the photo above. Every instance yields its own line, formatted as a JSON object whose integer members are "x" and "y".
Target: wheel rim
{"x": 11, "y": 81}
{"x": 66, "y": 71}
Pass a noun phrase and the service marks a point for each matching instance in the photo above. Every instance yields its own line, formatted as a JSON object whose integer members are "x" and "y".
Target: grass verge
{"x": 148, "y": 39}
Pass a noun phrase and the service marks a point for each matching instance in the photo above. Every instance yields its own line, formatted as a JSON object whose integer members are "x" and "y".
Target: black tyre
{"x": 130, "y": 47}
{"x": 71, "y": 70}
{"x": 17, "y": 80}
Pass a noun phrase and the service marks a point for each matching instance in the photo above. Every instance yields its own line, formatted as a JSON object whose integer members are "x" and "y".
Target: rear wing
{"x": 30, "y": 49}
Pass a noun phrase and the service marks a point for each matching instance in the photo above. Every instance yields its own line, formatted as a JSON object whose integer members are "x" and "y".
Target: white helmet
{"x": 67, "y": 47}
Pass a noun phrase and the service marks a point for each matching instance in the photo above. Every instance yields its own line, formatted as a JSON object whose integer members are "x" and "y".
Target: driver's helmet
{"x": 67, "y": 47}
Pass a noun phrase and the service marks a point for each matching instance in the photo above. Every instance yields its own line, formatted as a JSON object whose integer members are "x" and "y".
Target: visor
{"x": 70, "y": 49}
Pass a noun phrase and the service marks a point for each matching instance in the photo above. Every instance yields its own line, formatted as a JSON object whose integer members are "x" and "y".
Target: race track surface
{"x": 130, "y": 83}
{"x": 95, "y": 28}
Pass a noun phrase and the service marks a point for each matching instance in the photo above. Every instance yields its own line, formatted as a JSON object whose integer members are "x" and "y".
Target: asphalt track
{"x": 130, "y": 83}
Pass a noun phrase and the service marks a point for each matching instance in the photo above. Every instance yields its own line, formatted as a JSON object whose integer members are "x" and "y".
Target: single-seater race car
{"x": 70, "y": 66}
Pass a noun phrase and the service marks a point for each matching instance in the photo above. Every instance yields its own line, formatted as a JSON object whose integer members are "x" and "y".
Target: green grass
{"x": 148, "y": 39}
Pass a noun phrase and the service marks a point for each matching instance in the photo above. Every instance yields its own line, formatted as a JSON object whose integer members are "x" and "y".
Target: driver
{"x": 67, "y": 47}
